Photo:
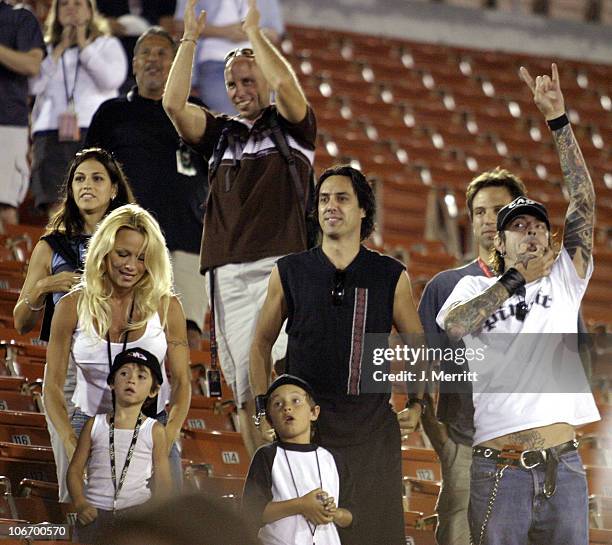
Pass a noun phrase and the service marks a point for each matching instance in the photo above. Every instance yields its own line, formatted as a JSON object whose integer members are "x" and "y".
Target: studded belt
{"x": 530, "y": 459}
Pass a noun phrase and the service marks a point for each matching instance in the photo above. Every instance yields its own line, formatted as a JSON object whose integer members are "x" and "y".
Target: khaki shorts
{"x": 14, "y": 170}
{"x": 189, "y": 286}
{"x": 240, "y": 292}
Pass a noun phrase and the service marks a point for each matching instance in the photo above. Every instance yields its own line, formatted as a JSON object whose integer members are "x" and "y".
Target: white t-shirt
{"x": 529, "y": 358}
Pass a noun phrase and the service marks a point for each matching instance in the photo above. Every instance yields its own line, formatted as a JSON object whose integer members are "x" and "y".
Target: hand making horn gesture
{"x": 546, "y": 91}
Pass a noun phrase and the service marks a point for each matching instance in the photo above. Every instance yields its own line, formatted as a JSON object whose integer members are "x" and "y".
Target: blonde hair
{"x": 153, "y": 289}
{"x": 98, "y": 25}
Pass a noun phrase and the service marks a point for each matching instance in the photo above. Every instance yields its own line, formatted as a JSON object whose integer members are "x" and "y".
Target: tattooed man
{"x": 527, "y": 482}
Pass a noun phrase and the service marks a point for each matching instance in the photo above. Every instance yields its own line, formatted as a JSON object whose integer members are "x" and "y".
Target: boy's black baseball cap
{"x": 139, "y": 356}
{"x": 289, "y": 379}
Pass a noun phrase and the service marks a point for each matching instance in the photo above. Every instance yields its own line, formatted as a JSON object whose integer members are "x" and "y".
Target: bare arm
{"x": 63, "y": 325}
{"x": 38, "y": 282}
{"x": 178, "y": 361}
{"x": 290, "y": 98}
{"x": 26, "y": 63}
{"x": 188, "y": 119}
{"x": 161, "y": 464}
{"x": 76, "y": 470}
{"x": 271, "y": 318}
{"x": 580, "y": 217}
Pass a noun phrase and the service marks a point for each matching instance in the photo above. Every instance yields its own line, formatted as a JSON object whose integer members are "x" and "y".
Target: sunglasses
{"x": 337, "y": 291}
{"x": 240, "y": 52}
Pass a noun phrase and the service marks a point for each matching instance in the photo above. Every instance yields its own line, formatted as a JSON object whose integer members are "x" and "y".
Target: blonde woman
{"x": 84, "y": 67}
{"x": 124, "y": 300}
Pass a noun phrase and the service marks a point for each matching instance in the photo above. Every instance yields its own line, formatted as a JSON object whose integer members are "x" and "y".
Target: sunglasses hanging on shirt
{"x": 521, "y": 308}
{"x": 337, "y": 291}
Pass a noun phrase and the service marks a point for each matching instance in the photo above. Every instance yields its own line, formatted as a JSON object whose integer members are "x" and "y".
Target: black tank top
{"x": 326, "y": 339}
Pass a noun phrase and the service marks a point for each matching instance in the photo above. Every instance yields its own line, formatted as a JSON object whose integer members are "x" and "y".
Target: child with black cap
{"x": 121, "y": 450}
{"x": 293, "y": 485}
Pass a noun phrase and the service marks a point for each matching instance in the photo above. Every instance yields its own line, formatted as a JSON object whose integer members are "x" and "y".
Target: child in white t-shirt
{"x": 121, "y": 450}
{"x": 293, "y": 486}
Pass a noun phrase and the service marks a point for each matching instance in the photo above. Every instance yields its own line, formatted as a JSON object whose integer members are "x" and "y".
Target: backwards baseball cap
{"x": 139, "y": 356}
{"x": 289, "y": 379}
{"x": 519, "y": 207}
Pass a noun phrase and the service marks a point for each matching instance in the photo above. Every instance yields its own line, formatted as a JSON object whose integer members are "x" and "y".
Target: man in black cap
{"x": 527, "y": 482}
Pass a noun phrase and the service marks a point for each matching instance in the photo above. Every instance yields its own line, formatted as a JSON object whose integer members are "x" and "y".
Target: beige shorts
{"x": 14, "y": 170}
{"x": 189, "y": 286}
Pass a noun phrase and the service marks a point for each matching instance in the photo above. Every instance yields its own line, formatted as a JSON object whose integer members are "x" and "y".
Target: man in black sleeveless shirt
{"x": 332, "y": 296}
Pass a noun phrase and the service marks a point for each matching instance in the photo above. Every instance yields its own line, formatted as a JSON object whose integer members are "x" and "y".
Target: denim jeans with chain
{"x": 521, "y": 514}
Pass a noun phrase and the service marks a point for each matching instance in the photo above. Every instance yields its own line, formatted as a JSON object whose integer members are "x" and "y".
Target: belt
{"x": 530, "y": 459}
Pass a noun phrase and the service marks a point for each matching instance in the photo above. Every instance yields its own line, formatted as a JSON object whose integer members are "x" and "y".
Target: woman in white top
{"x": 124, "y": 300}
{"x": 84, "y": 67}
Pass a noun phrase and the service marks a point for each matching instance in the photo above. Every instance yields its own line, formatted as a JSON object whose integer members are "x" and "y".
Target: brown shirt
{"x": 253, "y": 210}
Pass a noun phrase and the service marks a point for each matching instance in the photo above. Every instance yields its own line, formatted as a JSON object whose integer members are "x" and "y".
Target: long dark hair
{"x": 363, "y": 190}
{"x": 68, "y": 218}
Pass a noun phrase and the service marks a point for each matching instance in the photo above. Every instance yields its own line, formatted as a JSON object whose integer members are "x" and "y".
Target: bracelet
{"x": 26, "y": 300}
{"x": 183, "y": 40}
{"x": 512, "y": 280}
{"x": 558, "y": 122}
{"x": 419, "y": 400}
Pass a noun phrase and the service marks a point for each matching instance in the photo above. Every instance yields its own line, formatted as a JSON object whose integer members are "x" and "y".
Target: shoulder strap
{"x": 60, "y": 244}
{"x": 280, "y": 141}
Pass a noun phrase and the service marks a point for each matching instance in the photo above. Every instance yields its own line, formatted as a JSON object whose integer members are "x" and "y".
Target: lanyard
{"x": 212, "y": 326}
{"x": 484, "y": 268}
{"x": 125, "y": 339}
{"x": 70, "y": 95}
{"x": 111, "y": 443}
{"x": 312, "y": 528}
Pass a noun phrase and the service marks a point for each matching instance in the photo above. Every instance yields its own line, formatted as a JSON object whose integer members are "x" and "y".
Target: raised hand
{"x": 81, "y": 35}
{"x": 251, "y": 21}
{"x": 61, "y": 282}
{"x": 193, "y": 26}
{"x": 546, "y": 91}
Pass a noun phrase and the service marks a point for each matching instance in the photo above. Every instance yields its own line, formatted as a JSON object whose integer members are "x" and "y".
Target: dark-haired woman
{"x": 84, "y": 67}
{"x": 94, "y": 185}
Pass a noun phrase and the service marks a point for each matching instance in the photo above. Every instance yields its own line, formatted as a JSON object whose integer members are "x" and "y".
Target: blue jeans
{"x": 521, "y": 514}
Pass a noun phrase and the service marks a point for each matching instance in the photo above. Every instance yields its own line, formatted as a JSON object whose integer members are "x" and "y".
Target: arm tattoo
{"x": 527, "y": 439}
{"x": 178, "y": 342}
{"x": 580, "y": 217}
{"x": 469, "y": 316}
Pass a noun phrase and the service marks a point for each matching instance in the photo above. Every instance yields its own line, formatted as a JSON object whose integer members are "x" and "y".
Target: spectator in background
{"x": 21, "y": 52}
{"x": 255, "y": 212}
{"x": 169, "y": 180}
{"x": 128, "y": 19}
{"x": 84, "y": 67}
{"x": 223, "y": 32}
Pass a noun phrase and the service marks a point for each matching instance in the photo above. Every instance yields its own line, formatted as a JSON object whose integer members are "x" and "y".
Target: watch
{"x": 260, "y": 409}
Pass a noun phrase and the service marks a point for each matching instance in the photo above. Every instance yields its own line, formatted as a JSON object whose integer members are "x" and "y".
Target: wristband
{"x": 183, "y": 40}
{"x": 558, "y": 122}
{"x": 512, "y": 280}
{"x": 420, "y": 401}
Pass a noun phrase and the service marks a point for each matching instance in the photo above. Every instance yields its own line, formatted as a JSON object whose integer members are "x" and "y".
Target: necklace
{"x": 311, "y": 527}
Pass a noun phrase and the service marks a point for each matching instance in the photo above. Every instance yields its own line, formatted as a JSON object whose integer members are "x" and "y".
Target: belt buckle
{"x": 522, "y": 462}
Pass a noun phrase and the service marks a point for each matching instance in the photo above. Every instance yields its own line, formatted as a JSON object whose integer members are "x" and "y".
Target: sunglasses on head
{"x": 240, "y": 52}
{"x": 337, "y": 291}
